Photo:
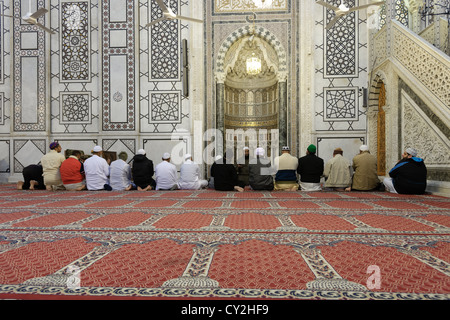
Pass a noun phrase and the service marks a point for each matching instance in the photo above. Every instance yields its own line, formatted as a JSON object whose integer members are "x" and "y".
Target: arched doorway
{"x": 381, "y": 131}
{"x": 253, "y": 105}
{"x": 251, "y": 94}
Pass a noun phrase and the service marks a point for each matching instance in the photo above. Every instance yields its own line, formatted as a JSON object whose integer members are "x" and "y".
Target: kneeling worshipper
{"x": 96, "y": 170}
{"x": 120, "y": 174}
{"x": 166, "y": 174}
{"x": 33, "y": 179}
{"x": 260, "y": 175}
{"x": 190, "y": 175}
{"x": 142, "y": 171}
{"x": 72, "y": 172}
{"x": 286, "y": 176}
{"x": 225, "y": 175}
{"x": 51, "y": 162}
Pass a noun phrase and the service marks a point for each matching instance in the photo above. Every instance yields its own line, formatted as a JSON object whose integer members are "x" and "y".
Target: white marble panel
{"x": 326, "y": 146}
{"x": 29, "y": 88}
{"x": 29, "y": 41}
{"x": 118, "y": 10}
{"x": 118, "y": 88}
{"x": 177, "y": 148}
{"x": 4, "y": 156}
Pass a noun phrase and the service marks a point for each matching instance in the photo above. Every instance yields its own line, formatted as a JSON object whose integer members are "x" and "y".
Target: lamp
{"x": 253, "y": 62}
{"x": 253, "y": 65}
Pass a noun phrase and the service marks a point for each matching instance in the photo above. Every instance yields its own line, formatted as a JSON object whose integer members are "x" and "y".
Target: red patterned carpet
{"x": 223, "y": 245}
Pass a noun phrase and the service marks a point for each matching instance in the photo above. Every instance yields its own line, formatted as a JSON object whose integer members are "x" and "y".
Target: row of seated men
{"x": 288, "y": 173}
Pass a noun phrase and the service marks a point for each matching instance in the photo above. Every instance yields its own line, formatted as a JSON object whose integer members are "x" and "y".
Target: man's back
{"x": 410, "y": 176}
{"x": 51, "y": 163}
{"x": 120, "y": 175}
{"x": 310, "y": 168}
{"x": 225, "y": 176}
{"x": 190, "y": 176}
{"x": 286, "y": 165}
{"x": 165, "y": 175}
{"x": 142, "y": 170}
{"x": 97, "y": 171}
{"x": 72, "y": 170}
{"x": 365, "y": 176}
{"x": 337, "y": 171}
{"x": 260, "y": 177}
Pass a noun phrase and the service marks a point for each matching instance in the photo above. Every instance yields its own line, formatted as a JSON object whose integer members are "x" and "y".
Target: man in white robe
{"x": 190, "y": 175}
{"x": 166, "y": 174}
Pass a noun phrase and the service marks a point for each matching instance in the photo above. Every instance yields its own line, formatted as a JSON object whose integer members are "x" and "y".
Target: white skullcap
{"x": 218, "y": 158}
{"x": 97, "y": 149}
{"x": 364, "y": 148}
{"x": 141, "y": 152}
{"x": 411, "y": 151}
{"x": 166, "y": 156}
{"x": 260, "y": 151}
{"x": 187, "y": 156}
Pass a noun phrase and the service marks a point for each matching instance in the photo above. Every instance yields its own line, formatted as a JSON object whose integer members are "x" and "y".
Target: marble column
{"x": 282, "y": 113}
{"x": 220, "y": 119}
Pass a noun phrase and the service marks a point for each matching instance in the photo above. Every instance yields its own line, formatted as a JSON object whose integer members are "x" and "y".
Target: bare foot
{"x": 19, "y": 185}
{"x": 237, "y": 188}
{"x": 33, "y": 183}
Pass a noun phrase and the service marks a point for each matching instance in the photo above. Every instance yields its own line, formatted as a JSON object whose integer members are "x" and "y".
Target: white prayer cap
{"x": 364, "y": 148}
{"x": 97, "y": 149}
{"x": 141, "y": 152}
{"x": 260, "y": 151}
{"x": 246, "y": 148}
{"x": 218, "y": 158}
{"x": 166, "y": 156}
{"x": 411, "y": 151}
{"x": 187, "y": 156}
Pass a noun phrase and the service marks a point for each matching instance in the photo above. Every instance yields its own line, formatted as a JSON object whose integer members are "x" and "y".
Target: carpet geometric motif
{"x": 214, "y": 245}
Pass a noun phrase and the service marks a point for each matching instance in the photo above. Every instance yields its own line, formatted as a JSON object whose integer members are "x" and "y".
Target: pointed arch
{"x": 260, "y": 32}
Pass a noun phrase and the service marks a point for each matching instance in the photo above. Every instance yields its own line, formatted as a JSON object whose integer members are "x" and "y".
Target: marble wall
{"x": 104, "y": 78}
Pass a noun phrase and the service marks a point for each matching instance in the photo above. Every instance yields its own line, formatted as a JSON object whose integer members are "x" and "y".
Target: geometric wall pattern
{"x": 74, "y": 67}
{"x": 341, "y": 44}
{"x": 104, "y": 73}
{"x": 30, "y": 70}
{"x": 342, "y": 74}
{"x": 341, "y": 104}
{"x": 75, "y": 41}
{"x": 2, "y": 67}
{"x": 118, "y": 65}
{"x": 75, "y": 107}
{"x": 165, "y": 45}
{"x": 5, "y": 73}
{"x": 164, "y": 109}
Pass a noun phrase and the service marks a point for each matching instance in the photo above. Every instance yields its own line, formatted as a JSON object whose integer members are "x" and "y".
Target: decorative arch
{"x": 377, "y": 100}
{"x": 282, "y": 75}
{"x": 375, "y": 88}
{"x": 260, "y": 32}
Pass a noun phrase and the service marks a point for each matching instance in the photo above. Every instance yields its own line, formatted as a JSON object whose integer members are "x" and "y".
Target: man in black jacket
{"x": 310, "y": 169}
{"x": 260, "y": 175}
{"x": 225, "y": 175}
{"x": 142, "y": 171}
{"x": 408, "y": 176}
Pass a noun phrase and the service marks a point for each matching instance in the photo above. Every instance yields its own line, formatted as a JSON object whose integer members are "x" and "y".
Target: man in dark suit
{"x": 310, "y": 169}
